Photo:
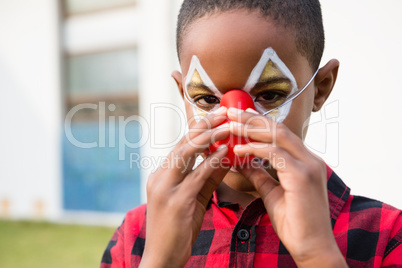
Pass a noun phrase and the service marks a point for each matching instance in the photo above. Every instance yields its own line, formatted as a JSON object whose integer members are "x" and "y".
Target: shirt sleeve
{"x": 393, "y": 252}
{"x": 126, "y": 246}
{"x": 114, "y": 252}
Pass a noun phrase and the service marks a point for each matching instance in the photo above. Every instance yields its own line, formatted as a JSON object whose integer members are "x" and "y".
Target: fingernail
{"x": 234, "y": 112}
{"x": 234, "y": 124}
{"x": 226, "y": 125}
{"x": 238, "y": 146}
{"x": 250, "y": 110}
{"x": 221, "y": 110}
{"x": 223, "y": 146}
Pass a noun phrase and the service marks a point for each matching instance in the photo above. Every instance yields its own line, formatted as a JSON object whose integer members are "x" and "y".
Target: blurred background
{"x": 88, "y": 108}
{"x": 78, "y": 78}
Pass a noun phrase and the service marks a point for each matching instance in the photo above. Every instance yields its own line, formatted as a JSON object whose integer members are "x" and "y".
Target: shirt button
{"x": 243, "y": 234}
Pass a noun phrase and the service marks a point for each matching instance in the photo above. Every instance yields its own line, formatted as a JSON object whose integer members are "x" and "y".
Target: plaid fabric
{"x": 368, "y": 233}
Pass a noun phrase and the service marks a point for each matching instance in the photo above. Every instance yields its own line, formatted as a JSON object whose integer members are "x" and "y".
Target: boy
{"x": 294, "y": 211}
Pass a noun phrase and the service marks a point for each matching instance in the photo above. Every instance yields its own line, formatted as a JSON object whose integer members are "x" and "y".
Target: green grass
{"x": 26, "y": 244}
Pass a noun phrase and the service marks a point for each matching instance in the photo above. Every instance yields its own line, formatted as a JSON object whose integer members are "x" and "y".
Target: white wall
{"x": 160, "y": 104}
{"x": 365, "y": 105}
{"x": 30, "y": 109}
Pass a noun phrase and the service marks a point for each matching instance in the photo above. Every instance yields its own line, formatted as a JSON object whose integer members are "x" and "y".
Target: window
{"x": 101, "y": 92}
{"x": 108, "y": 73}
{"x": 110, "y": 77}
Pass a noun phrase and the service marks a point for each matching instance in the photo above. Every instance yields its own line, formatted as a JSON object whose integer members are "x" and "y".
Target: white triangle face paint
{"x": 270, "y": 84}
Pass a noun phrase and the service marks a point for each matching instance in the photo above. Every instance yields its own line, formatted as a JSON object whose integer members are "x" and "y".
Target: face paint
{"x": 270, "y": 84}
{"x": 200, "y": 91}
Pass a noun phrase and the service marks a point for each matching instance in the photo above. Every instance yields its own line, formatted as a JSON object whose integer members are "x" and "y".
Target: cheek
{"x": 299, "y": 116}
{"x": 189, "y": 115}
{"x": 295, "y": 122}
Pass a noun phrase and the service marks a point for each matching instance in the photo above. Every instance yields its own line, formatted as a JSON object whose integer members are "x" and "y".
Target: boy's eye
{"x": 271, "y": 96}
{"x": 206, "y": 101}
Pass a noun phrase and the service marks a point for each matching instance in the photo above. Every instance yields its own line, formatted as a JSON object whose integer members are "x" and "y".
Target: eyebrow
{"x": 199, "y": 88}
{"x": 275, "y": 80}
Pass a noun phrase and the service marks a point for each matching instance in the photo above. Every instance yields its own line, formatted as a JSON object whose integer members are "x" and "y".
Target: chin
{"x": 237, "y": 182}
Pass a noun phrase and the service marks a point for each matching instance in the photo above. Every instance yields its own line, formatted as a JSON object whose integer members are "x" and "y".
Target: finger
{"x": 211, "y": 121}
{"x": 182, "y": 161}
{"x": 204, "y": 140}
{"x": 202, "y": 181}
{"x": 249, "y": 124}
{"x": 212, "y": 184}
{"x": 278, "y": 158}
{"x": 249, "y": 116}
{"x": 262, "y": 129}
{"x": 262, "y": 181}
{"x": 249, "y": 110}
{"x": 286, "y": 165}
{"x": 200, "y": 143}
{"x": 180, "y": 153}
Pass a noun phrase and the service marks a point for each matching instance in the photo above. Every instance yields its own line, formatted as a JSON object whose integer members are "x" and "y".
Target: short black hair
{"x": 302, "y": 17}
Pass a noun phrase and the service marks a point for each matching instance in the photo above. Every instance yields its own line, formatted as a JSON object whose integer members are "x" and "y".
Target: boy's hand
{"x": 298, "y": 204}
{"x": 178, "y": 196}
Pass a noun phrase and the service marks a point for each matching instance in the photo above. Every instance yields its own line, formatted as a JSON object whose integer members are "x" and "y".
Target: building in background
{"x": 79, "y": 148}
{"x": 88, "y": 108}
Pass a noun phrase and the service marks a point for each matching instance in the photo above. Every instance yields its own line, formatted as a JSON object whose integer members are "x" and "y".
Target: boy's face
{"x": 230, "y": 44}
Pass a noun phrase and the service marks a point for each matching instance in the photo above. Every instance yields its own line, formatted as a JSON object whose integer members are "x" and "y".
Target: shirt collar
{"x": 215, "y": 200}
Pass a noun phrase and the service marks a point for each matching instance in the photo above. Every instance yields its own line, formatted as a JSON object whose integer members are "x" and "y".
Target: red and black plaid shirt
{"x": 368, "y": 233}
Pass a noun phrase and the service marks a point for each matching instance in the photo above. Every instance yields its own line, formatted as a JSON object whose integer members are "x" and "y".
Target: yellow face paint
{"x": 270, "y": 84}
{"x": 271, "y": 72}
{"x": 196, "y": 78}
{"x": 196, "y": 87}
{"x": 272, "y": 88}
{"x": 203, "y": 97}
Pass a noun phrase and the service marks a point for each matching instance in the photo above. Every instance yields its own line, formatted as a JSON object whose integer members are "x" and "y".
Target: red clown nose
{"x": 239, "y": 99}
